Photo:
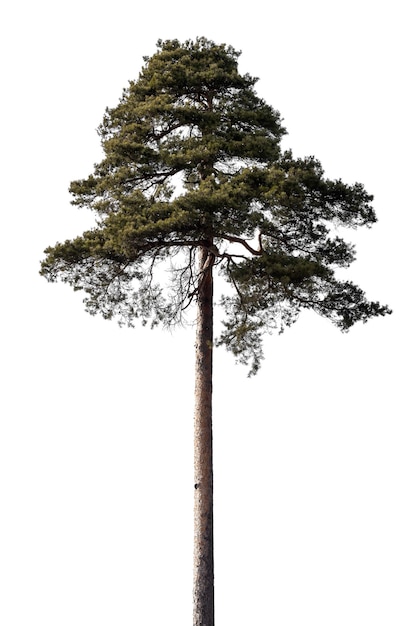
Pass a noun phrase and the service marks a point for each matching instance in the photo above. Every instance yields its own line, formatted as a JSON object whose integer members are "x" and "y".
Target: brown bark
{"x": 203, "y": 614}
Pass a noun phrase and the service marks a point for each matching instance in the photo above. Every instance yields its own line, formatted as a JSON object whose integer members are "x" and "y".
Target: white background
{"x": 315, "y": 458}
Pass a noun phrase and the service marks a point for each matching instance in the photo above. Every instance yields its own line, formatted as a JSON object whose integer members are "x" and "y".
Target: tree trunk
{"x": 203, "y": 455}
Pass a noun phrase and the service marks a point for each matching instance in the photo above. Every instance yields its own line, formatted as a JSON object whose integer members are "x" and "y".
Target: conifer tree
{"x": 194, "y": 180}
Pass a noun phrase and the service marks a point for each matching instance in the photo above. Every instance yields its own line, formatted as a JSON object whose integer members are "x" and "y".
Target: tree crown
{"x": 192, "y": 158}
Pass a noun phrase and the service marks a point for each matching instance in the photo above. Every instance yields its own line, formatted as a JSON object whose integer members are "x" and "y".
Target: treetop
{"x": 193, "y": 158}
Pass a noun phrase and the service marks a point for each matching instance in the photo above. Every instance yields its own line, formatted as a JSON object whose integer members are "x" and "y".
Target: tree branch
{"x": 245, "y": 244}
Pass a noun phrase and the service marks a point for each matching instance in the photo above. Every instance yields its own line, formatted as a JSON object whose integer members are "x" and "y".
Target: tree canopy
{"x": 193, "y": 159}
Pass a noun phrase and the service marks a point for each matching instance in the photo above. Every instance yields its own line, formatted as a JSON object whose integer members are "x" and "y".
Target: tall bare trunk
{"x": 203, "y": 455}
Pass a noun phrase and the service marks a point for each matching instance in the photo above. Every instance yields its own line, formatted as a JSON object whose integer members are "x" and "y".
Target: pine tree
{"x": 194, "y": 180}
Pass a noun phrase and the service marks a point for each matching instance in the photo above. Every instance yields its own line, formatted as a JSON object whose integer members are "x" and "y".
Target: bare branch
{"x": 245, "y": 244}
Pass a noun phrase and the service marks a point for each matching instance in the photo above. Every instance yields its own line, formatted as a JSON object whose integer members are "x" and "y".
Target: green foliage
{"x": 192, "y": 158}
